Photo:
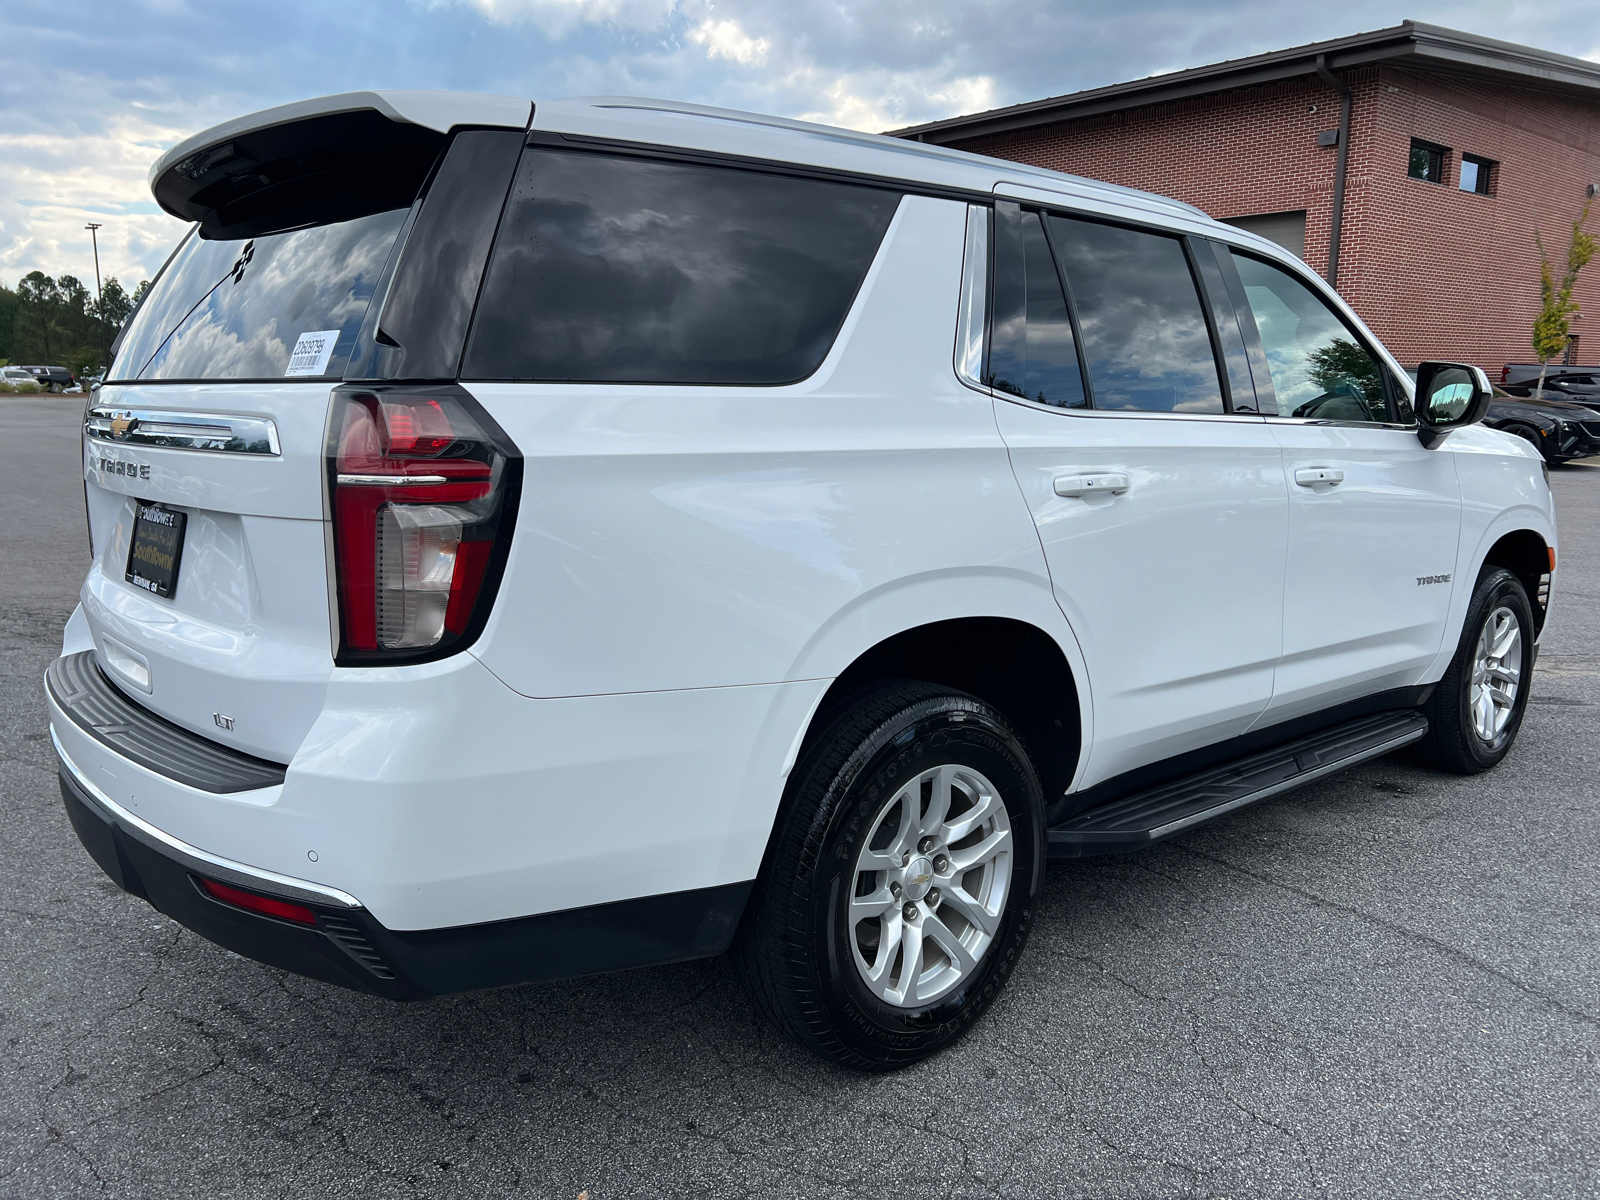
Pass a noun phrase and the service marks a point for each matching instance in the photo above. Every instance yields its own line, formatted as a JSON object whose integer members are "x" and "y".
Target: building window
{"x": 1427, "y": 161}
{"x": 1476, "y": 174}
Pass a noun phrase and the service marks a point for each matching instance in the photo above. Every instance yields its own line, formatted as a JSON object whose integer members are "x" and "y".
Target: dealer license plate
{"x": 157, "y": 548}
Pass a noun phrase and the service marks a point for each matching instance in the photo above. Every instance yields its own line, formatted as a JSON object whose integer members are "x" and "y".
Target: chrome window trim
{"x": 1411, "y": 428}
{"x": 973, "y": 315}
{"x": 1137, "y": 414}
{"x": 193, "y": 857}
{"x": 173, "y": 429}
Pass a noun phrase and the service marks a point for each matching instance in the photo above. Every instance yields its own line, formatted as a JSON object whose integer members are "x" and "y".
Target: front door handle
{"x": 1111, "y": 484}
{"x": 1311, "y": 476}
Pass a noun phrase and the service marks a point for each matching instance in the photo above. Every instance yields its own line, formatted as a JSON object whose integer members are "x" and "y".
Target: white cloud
{"x": 558, "y": 18}
{"x": 875, "y": 100}
{"x": 53, "y": 184}
{"x": 727, "y": 39}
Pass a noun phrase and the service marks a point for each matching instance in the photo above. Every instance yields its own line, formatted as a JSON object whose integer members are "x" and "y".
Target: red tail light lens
{"x": 423, "y": 488}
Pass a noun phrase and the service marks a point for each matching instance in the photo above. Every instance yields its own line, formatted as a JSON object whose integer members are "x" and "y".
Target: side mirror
{"x": 1449, "y": 395}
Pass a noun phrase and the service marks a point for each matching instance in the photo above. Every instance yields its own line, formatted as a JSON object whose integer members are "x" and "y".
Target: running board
{"x": 1146, "y": 817}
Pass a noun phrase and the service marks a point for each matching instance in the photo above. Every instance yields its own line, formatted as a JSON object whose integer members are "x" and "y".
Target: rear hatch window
{"x": 281, "y": 305}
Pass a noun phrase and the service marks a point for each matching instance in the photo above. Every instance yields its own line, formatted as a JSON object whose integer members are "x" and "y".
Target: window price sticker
{"x": 312, "y": 352}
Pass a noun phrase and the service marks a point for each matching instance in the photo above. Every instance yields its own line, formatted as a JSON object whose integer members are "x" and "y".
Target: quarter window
{"x": 1144, "y": 333}
{"x": 1320, "y": 370}
{"x": 615, "y": 269}
{"x": 1032, "y": 351}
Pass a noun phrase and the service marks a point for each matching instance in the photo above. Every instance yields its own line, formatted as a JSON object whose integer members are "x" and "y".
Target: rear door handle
{"x": 1113, "y": 484}
{"x": 1311, "y": 476}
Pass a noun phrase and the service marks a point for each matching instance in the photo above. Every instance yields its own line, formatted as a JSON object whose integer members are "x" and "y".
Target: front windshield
{"x": 283, "y": 304}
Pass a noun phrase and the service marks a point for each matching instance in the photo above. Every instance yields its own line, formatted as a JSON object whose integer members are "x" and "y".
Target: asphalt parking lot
{"x": 1387, "y": 984}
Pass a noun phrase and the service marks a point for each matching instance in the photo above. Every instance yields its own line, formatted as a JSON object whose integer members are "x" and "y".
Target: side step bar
{"x": 1132, "y": 822}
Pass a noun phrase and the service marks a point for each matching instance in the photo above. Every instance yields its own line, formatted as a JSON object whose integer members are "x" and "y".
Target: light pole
{"x": 99, "y": 297}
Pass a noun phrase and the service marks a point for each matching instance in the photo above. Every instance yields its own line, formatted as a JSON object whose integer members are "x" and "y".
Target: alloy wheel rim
{"x": 1496, "y": 675}
{"x": 930, "y": 886}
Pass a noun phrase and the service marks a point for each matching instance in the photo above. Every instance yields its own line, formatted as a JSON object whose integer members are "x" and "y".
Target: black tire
{"x": 1453, "y": 743}
{"x": 795, "y": 951}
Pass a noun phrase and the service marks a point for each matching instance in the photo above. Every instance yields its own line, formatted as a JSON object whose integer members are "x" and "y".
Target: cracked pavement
{"x": 1386, "y": 984}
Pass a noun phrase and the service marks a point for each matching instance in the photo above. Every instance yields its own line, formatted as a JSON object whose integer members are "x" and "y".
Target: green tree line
{"x": 56, "y": 322}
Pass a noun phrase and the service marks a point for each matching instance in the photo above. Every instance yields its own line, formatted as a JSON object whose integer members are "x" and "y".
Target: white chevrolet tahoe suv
{"x": 532, "y": 540}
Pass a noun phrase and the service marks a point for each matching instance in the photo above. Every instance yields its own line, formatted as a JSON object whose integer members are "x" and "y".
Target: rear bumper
{"x": 440, "y": 799}
{"x": 349, "y": 947}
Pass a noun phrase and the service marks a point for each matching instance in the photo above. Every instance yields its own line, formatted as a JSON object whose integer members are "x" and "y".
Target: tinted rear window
{"x": 611, "y": 269}
{"x": 237, "y": 309}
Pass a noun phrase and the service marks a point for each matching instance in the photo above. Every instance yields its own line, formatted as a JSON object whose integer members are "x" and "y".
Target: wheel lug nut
{"x": 933, "y": 897}
{"x": 909, "y": 912}
{"x": 905, "y": 859}
{"x": 941, "y": 864}
{"x": 894, "y": 890}
{"x": 927, "y": 844}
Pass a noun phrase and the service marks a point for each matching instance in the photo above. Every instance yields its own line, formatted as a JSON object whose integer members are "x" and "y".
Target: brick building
{"x": 1411, "y": 166}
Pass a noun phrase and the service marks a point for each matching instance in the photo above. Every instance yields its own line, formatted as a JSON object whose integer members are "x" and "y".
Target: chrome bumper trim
{"x": 196, "y": 859}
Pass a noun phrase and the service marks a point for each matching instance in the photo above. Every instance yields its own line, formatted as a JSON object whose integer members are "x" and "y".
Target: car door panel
{"x": 1175, "y": 587}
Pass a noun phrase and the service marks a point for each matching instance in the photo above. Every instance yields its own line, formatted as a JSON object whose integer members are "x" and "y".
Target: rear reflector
{"x": 282, "y": 909}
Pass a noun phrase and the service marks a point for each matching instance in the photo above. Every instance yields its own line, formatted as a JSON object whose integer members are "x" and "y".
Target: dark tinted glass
{"x": 1427, "y": 162}
{"x": 1319, "y": 369}
{"x": 627, "y": 270}
{"x": 428, "y": 304}
{"x": 236, "y": 310}
{"x": 1230, "y": 335}
{"x": 1144, "y": 333}
{"x": 1032, "y": 352}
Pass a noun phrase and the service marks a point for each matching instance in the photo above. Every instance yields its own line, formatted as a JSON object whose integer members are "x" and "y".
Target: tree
{"x": 59, "y": 322}
{"x": 1553, "y": 328}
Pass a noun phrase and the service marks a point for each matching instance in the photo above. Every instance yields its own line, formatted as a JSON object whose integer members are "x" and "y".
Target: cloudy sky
{"x": 94, "y": 90}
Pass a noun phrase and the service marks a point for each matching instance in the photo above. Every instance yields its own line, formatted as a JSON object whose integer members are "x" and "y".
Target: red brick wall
{"x": 1436, "y": 272}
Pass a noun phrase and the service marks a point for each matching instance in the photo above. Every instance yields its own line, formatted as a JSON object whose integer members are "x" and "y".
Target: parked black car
{"x": 1563, "y": 429}
{"x": 1566, "y": 384}
{"x": 52, "y": 379}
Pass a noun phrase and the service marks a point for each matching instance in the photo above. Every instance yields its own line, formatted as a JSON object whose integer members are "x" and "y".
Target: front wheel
{"x": 1476, "y": 710}
{"x": 901, "y": 881}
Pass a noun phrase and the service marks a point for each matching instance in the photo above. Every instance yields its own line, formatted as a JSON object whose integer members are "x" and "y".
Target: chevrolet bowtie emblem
{"x": 121, "y": 423}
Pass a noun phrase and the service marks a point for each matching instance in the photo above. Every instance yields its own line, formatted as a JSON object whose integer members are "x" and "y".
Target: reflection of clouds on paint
{"x": 294, "y": 283}
{"x": 788, "y": 511}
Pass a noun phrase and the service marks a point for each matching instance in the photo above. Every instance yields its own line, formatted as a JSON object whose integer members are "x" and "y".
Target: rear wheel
{"x": 1475, "y": 712}
{"x": 901, "y": 880}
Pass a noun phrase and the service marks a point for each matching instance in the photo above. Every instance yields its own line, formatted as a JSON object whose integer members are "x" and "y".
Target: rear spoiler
{"x": 321, "y": 160}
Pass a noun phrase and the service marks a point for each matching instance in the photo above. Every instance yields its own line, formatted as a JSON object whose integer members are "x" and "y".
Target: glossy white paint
{"x": 1174, "y": 586}
{"x": 693, "y": 566}
{"x": 1355, "y": 618}
{"x": 247, "y": 634}
{"x": 697, "y": 537}
{"x": 1502, "y": 491}
{"x": 438, "y": 797}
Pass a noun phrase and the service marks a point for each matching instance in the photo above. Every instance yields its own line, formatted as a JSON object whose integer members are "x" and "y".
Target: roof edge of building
{"x": 1414, "y": 43}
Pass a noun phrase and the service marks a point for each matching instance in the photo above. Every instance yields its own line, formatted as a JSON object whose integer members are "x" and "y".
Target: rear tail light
{"x": 423, "y": 488}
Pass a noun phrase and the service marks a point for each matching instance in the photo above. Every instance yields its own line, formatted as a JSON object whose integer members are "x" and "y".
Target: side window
{"x": 1319, "y": 368}
{"x": 1144, "y": 333}
{"x": 1032, "y": 352}
{"x": 615, "y": 269}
